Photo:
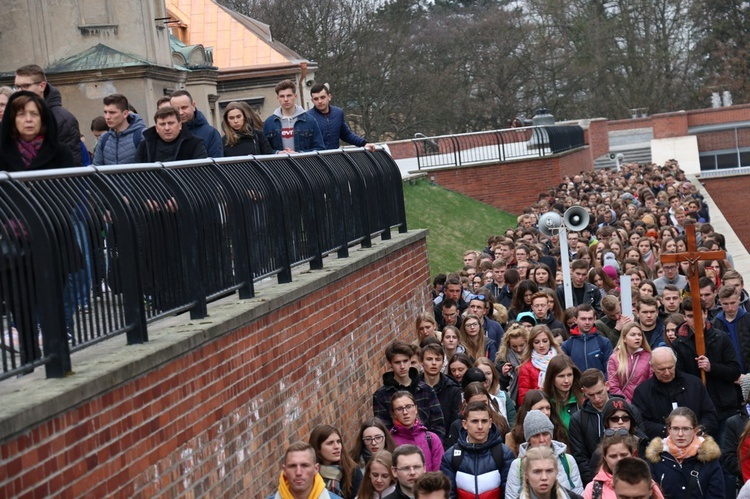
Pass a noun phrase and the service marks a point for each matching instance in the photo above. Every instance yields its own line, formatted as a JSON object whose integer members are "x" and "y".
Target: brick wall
{"x": 726, "y": 193}
{"x": 515, "y": 185}
{"x": 724, "y": 139}
{"x": 214, "y": 420}
{"x": 597, "y": 137}
{"x": 669, "y": 125}
{"x": 740, "y": 112}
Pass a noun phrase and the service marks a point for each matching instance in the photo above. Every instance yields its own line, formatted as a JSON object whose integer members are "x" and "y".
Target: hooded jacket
{"x": 68, "y": 131}
{"x": 428, "y": 405}
{"x": 730, "y": 442}
{"x": 450, "y": 396}
{"x": 639, "y": 370}
{"x": 477, "y": 475}
{"x": 674, "y": 478}
{"x": 199, "y": 127}
{"x": 572, "y": 482}
{"x": 188, "y": 147}
{"x": 588, "y": 350}
{"x": 307, "y": 136}
{"x": 248, "y": 146}
{"x": 654, "y": 400}
{"x": 53, "y": 153}
{"x": 725, "y": 369}
{"x": 742, "y": 328}
{"x": 608, "y": 489}
{"x": 591, "y": 295}
{"x": 418, "y": 435}
{"x": 119, "y": 148}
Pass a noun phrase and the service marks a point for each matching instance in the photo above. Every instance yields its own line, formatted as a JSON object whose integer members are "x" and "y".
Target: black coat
{"x": 248, "y": 146}
{"x": 68, "y": 131}
{"x": 725, "y": 369}
{"x": 189, "y": 147}
{"x": 53, "y": 153}
{"x": 654, "y": 400}
{"x": 449, "y": 394}
{"x": 743, "y": 336}
{"x": 735, "y": 427}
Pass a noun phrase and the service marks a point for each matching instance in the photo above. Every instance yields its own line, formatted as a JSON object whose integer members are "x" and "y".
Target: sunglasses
{"x": 620, "y": 431}
{"x": 616, "y": 419}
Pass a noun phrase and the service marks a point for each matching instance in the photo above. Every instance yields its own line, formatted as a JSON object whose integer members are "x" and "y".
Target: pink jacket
{"x": 639, "y": 371}
{"x": 417, "y": 435}
{"x": 608, "y": 491}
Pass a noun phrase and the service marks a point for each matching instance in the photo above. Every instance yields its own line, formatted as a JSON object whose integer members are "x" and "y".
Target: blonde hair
{"x": 622, "y": 352}
{"x": 539, "y": 454}
{"x": 383, "y": 458}
{"x": 495, "y": 385}
{"x": 513, "y": 332}
{"x": 535, "y": 331}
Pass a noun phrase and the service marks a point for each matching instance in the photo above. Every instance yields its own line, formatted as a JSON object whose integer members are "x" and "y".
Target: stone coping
{"x": 32, "y": 399}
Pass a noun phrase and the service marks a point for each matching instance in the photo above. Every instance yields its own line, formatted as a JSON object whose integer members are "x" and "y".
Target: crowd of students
{"x": 508, "y": 393}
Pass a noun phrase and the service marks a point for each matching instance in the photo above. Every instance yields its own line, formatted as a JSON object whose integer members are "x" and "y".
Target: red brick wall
{"x": 727, "y": 193}
{"x": 215, "y": 421}
{"x": 513, "y": 186}
{"x": 670, "y": 125}
{"x": 725, "y": 139}
{"x": 730, "y": 114}
{"x": 617, "y": 125}
{"x": 598, "y": 137}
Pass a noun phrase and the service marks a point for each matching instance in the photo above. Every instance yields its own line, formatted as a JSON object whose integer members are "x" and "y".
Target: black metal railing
{"x": 90, "y": 253}
{"x": 496, "y": 145}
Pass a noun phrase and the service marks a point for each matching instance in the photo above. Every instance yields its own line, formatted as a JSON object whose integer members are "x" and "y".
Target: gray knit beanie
{"x": 535, "y": 423}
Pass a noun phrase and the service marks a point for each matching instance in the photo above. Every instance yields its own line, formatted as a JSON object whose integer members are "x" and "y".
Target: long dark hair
{"x": 359, "y": 450}
{"x": 478, "y": 388}
{"x": 532, "y": 398}
{"x": 556, "y": 365}
{"x": 232, "y": 136}
{"x": 319, "y": 435}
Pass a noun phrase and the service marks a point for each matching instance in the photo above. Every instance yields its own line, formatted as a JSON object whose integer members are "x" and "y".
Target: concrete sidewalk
{"x": 740, "y": 256}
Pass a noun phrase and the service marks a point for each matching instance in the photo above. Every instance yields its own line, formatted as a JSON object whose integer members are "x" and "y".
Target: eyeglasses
{"x": 619, "y": 431}
{"x": 25, "y": 86}
{"x": 410, "y": 469}
{"x": 476, "y": 297}
{"x": 472, "y": 325}
{"x": 617, "y": 419}
{"x": 681, "y": 429}
{"x": 376, "y": 439}
{"x": 405, "y": 408}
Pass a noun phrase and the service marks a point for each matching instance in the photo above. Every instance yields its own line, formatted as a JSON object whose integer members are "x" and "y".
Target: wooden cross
{"x": 693, "y": 256}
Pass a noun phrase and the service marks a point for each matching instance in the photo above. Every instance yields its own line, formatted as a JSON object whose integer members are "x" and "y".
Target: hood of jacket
{"x": 493, "y": 438}
{"x": 558, "y": 448}
{"x": 401, "y": 430}
{"x": 198, "y": 121}
{"x": 708, "y": 451}
{"x": 135, "y": 124}
{"x": 48, "y": 120}
{"x": 52, "y": 96}
{"x": 389, "y": 378}
{"x": 298, "y": 112}
{"x": 603, "y": 476}
{"x": 576, "y": 333}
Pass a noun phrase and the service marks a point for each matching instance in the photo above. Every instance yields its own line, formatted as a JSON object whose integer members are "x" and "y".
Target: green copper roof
{"x": 97, "y": 57}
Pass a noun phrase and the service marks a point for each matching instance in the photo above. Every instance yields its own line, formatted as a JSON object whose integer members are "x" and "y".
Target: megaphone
{"x": 550, "y": 223}
{"x": 576, "y": 218}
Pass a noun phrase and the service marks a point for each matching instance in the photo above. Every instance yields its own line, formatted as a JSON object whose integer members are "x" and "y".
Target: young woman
{"x": 458, "y": 365}
{"x": 673, "y": 322}
{"x": 601, "y": 280}
{"x": 563, "y": 385}
{"x": 543, "y": 277}
{"x": 522, "y": 298}
{"x": 474, "y": 340}
{"x": 492, "y": 381}
{"x": 648, "y": 288}
{"x": 476, "y": 282}
{"x": 536, "y": 400}
{"x": 645, "y": 247}
{"x": 451, "y": 345}
{"x": 628, "y": 365}
{"x": 28, "y": 136}
{"x": 615, "y": 445}
{"x": 373, "y": 437}
{"x": 686, "y": 465}
{"x": 378, "y": 481}
{"x": 534, "y": 363}
{"x": 338, "y": 469}
{"x": 407, "y": 429}
{"x": 508, "y": 358}
{"x": 540, "y": 469}
{"x": 426, "y": 325}
{"x": 241, "y": 138}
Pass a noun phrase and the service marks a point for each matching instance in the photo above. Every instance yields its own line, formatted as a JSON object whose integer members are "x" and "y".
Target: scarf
{"x": 682, "y": 453}
{"x": 332, "y": 476}
{"x": 30, "y": 149}
{"x": 284, "y": 493}
{"x": 541, "y": 362}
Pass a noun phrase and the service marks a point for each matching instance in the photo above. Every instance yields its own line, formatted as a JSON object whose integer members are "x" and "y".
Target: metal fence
{"x": 90, "y": 253}
{"x": 497, "y": 145}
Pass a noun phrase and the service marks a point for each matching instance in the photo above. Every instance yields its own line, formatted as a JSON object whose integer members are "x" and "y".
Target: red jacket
{"x": 528, "y": 379}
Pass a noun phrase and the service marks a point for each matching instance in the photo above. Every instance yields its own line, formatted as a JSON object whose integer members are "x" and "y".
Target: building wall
{"x": 726, "y": 192}
{"x": 206, "y": 410}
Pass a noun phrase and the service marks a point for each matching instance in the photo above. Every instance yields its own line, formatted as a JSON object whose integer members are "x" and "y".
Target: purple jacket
{"x": 417, "y": 435}
{"x": 639, "y": 371}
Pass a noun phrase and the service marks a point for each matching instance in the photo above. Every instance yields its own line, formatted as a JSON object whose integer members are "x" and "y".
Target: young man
{"x": 194, "y": 121}
{"x": 632, "y": 479}
{"x": 168, "y": 140}
{"x": 671, "y": 276}
{"x": 479, "y": 463}
{"x": 448, "y": 391}
{"x": 299, "y": 476}
{"x": 651, "y": 325}
{"x": 432, "y": 485}
{"x": 709, "y": 298}
{"x": 331, "y": 120}
{"x": 671, "y": 300}
{"x": 586, "y": 346}
{"x": 542, "y": 315}
{"x": 449, "y": 314}
{"x": 404, "y": 377}
{"x": 119, "y": 144}
{"x": 33, "y": 79}
{"x": 408, "y": 465}
{"x": 612, "y": 321}
{"x": 735, "y": 322}
{"x": 290, "y": 129}
{"x": 734, "y": 278}
{"x": 583, "y": 291}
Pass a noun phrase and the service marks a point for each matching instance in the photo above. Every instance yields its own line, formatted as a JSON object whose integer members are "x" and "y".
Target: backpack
{"x": 597, "y": 491}
{"x": 458, "y": 456}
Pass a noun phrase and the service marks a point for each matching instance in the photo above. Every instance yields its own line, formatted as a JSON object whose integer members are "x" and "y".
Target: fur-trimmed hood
{"x": 708, "y": 451}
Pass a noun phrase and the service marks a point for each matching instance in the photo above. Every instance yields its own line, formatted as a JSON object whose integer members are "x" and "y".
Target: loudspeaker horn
{"x": 550, "y": 223}
{"x": 576, "y": 218}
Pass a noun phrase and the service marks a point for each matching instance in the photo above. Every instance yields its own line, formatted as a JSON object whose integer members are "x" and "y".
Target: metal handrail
{"x": 91, "y": 253}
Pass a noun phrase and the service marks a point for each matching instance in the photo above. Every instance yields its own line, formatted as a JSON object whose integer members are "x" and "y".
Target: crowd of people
{"x": 508, "y": 391}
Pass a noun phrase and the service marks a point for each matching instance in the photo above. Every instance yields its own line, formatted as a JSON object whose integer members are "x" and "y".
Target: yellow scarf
{"x": 284, "y": 493}
{"x": 682, "y": 453}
